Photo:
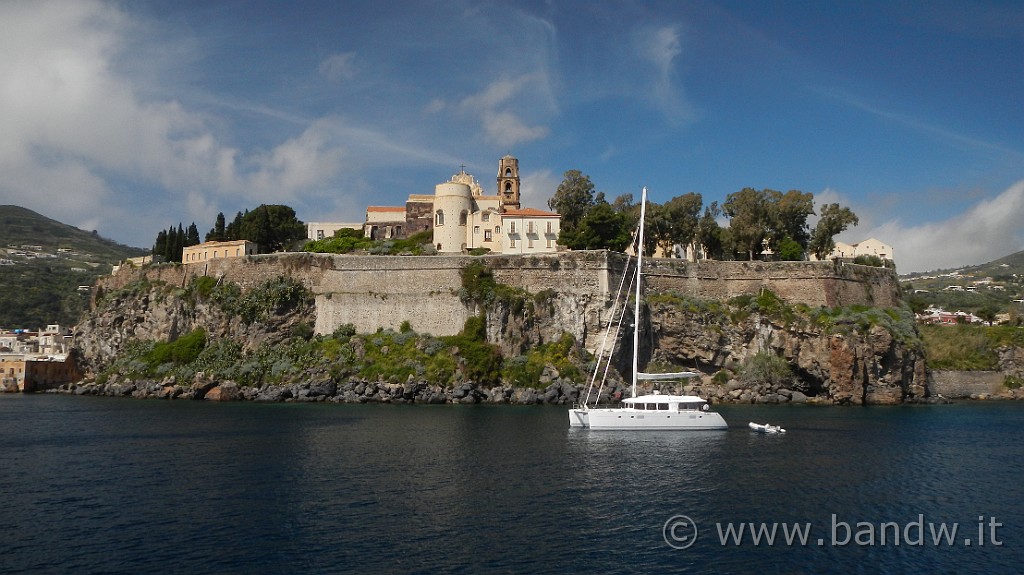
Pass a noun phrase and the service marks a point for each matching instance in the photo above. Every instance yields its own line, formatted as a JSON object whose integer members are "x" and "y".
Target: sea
{"x": 103, "y": 485}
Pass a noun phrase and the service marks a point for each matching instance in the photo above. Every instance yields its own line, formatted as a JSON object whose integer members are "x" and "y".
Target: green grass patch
{"x": 967, "y": 347}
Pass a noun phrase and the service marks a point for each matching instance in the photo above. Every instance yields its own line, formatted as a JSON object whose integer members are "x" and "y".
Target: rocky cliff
{"x": 867, "y": 357}
{"x": 859, "y": 362}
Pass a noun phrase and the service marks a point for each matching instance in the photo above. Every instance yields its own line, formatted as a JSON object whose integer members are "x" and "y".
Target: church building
{"x": 463, "y": 217}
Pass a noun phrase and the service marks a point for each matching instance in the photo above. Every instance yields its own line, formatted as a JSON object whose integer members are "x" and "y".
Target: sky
{"x": 130, "y": 117}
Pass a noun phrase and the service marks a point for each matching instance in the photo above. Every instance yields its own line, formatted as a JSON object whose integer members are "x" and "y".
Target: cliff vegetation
{"x": 151, "y": 338}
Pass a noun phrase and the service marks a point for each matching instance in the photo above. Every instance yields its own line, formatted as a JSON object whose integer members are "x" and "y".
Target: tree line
{"x": 757, "y": 219}
{"x": 271, "y": 227}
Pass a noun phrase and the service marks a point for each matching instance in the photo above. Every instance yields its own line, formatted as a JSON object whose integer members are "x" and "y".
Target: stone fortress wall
{"x": 374, "y": 292}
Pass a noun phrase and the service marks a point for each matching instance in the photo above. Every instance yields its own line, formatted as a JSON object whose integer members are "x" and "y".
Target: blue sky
{"x": 128, "y": 117}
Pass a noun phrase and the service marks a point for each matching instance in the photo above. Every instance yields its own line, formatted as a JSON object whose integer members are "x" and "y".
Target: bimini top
{"x": 664, "y": 376}
{"x": 663, "y": 399}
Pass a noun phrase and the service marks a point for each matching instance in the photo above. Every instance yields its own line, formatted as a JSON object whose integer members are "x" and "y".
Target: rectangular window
{"x": 549, "y": 242}
{"x": 529, "y": 228}
{"x": 497, "y": 230}
{"x": 476, "y": 230}
{"x": 529, "y": 242}
{"x": 511, "y": 242}
{"x": 487, "y": 235}
{"x": 319, "y": 234}
{"x": 549, "y": 227}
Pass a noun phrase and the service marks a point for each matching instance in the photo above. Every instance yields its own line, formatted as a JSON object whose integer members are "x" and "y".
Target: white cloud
{"x": 660, "y": 47}
{"x": 338, "y": 67}
{"x": 536, "y": 188}
{"x": 77, "y": 132}
{"x": 295, "y": 165}
{"x": 434, "y": 106}
{"x": 987, "y": 231}
{"x": 499, "y": 108}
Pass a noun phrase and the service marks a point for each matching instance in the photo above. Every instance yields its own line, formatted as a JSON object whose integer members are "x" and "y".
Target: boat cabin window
{"x": 663, "y": 407}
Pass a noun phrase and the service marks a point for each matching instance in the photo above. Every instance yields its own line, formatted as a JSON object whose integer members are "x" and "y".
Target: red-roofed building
{"x": 463, "y": 217}
{"x": 530, "y": 231}
{"x": 385, "y": 222}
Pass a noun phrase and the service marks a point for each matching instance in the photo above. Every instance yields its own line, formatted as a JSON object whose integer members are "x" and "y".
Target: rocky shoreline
{"x": 554, "y": 391}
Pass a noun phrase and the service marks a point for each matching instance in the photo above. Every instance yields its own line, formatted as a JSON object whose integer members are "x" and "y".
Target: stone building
{"x": 214, "y": 250}
{"x": 27, "y": 373}
{"x": 321, "y": 230}
{"x": 463, "y": 216}
{"x": 868, "y": 247}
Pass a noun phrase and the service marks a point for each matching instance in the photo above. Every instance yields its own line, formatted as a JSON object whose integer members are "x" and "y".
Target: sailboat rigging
{"x": 653, "y": 411}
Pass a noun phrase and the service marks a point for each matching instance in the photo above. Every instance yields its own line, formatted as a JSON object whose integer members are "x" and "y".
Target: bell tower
{"x": 508, "y": 182}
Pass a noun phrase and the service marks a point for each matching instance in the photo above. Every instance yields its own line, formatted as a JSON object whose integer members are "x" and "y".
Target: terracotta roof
{"x": 385, "y": 209}
{"x": 530, "y": 212}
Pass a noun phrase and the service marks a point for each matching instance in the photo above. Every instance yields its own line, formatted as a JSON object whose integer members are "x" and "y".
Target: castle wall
{"x": 815, "y": 284}
{"x": 964, "y": 384}
{"x": 371, "y": 292}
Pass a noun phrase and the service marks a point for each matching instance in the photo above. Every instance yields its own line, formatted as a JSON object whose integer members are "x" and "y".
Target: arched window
{"x": 439, "y": 218}
{"x": 508, "y": 172}
{"x": 438, "y": 247}
{"x": 462, "y": 218}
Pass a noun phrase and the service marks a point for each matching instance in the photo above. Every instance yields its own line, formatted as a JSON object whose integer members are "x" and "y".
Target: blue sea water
{"x": 99, "y": 485}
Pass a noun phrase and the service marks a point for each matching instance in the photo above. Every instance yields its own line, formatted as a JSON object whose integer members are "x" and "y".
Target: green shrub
{"x": 202, "y": 286}
{"x": 721, "y": 377}
{"x": 302, "y": 330}
{"x": 275, "y": 296}
{"x": 185, "y": 349}
{"x": 478, "y": 283}
{"x": 478, "y": 360}
{"x": 525, "y": 370}
{"x": 766, "y": 368}
{"x": 344, "y": 331}
{"x": 869, "y": 260}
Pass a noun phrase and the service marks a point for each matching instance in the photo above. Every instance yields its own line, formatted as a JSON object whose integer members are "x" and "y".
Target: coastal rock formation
{"x": 863, "y": 366}
{"x": 858, "y": 364}
{"x": 158, "y": 312}
{"x": 560, "y": 392}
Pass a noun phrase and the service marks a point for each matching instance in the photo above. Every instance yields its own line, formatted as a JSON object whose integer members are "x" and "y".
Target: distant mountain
{"x": 46, "y": 266}
{"x": 997, "y": 285}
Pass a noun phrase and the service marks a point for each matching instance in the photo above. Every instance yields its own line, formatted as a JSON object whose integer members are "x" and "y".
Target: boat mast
{"x": 639, "y": 269}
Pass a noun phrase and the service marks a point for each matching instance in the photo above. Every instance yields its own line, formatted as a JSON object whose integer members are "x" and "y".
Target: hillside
{"x": 997, "y": 285}
{"x": 43, "y": 263}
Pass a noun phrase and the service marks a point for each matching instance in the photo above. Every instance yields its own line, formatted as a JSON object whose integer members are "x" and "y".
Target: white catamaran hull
{"x": 626, "y": 419}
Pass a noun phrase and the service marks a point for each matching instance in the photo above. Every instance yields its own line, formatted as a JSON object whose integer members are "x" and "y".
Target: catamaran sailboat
{"x": 654, "y": 411}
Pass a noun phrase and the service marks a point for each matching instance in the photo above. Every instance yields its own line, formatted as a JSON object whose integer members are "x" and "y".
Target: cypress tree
{"x": 192, "y": 238}
{"x": 160, "y": 245}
